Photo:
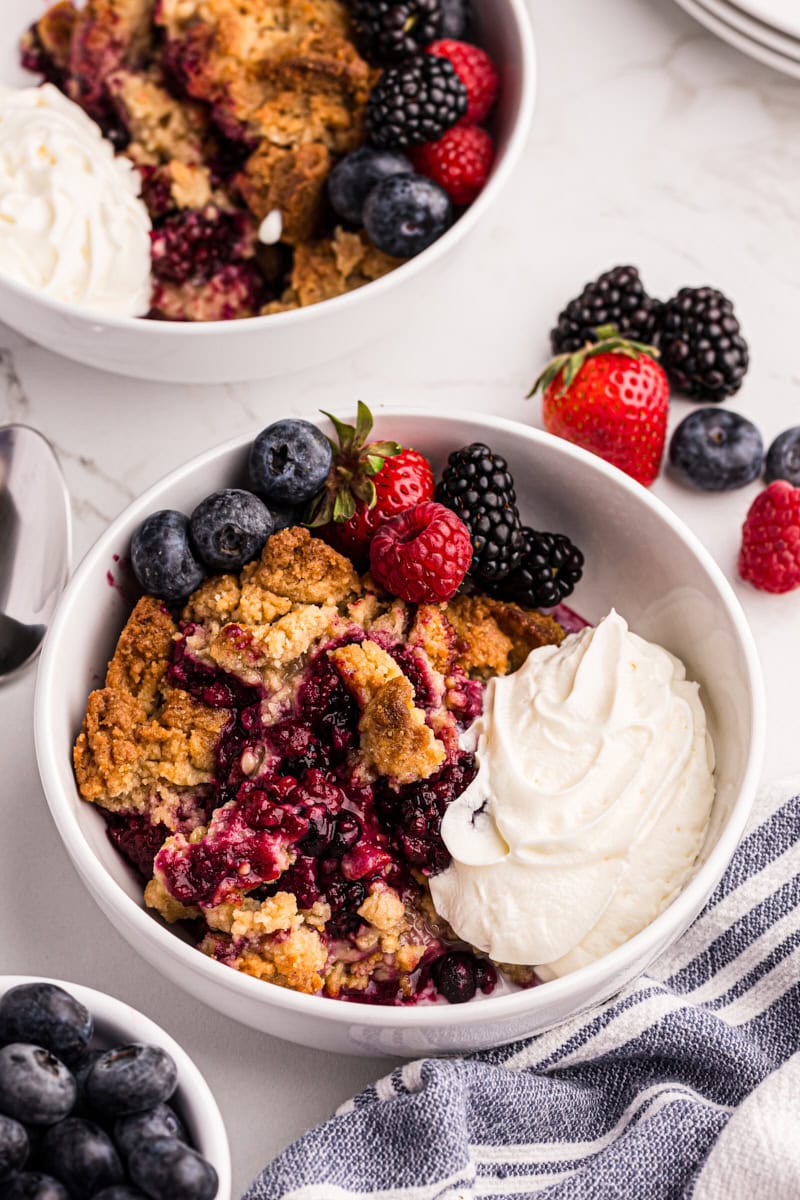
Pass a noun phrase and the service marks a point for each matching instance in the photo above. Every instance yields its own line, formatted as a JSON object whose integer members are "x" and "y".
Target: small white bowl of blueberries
{"x": 97, "y": 1102}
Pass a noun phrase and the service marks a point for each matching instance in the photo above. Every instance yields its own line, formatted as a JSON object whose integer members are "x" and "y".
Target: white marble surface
{"x": 653, "y": 144}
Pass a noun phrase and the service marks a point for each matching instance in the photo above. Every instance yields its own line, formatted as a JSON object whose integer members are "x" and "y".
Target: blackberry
{"x": 478, "y": 487}
{"x": 617, "y": 298}
{"x": 389, "y": 30}
{"x": 455, "y": 976}
{"x": 412, "y": 814}
{"x": 345, "y": 897}
{"x": 415, "y": 102}
{"x": 701, "y": 344}
{"x": 551, "y": 566}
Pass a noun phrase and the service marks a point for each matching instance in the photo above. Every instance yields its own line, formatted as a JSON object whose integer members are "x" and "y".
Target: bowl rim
{"x": 502, "y": 168}
{"x": 676, "y": 916}
{"x": 110, "y": 1010}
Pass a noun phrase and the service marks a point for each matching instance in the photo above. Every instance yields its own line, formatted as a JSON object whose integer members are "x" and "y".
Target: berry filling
{"x": 290, "y": 814}
{"x": 195, "y": 245}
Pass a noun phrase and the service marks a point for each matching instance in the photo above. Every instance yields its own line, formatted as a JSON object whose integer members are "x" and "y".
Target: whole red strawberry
{"x": 369, "y": 483}
{"x": 460, "y": 161}
{"x": 770, "y": 553}
{"x": 612, "y": 398}
{"x": 475, "y": 70}
{"x": 423, "y": 555}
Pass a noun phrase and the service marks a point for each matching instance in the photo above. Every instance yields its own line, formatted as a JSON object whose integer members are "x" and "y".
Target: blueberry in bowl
{"x": 63, "y": 1144}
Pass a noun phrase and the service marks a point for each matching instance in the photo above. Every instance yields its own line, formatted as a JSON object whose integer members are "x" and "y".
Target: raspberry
{"x": 770, "y": 553}
{"x": 475, "y": 70}
{"x": 459, "y": 162}
{"x": 422, "y": 555}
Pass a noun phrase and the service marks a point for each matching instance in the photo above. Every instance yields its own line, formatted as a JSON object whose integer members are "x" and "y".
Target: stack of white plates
{"x": 768, "y": 30}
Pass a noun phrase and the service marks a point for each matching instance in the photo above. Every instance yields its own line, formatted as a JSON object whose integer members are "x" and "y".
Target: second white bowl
{"x": 258, "y": 347}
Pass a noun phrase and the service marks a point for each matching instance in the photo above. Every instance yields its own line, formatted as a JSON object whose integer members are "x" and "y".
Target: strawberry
{"x": 459, "y": 162}
{"x": 612, "y": 398}
{"x": 770, "y": 553}
{"x": 369, "y": 483}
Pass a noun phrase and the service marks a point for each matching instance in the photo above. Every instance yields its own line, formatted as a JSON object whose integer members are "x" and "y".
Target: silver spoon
{"x": 35, "y": 543}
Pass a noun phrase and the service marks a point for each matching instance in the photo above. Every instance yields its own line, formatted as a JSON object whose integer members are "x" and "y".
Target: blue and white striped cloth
{"x": 687, "y": 1084}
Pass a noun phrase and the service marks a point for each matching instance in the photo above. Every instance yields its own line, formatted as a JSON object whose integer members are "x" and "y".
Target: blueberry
{"x": 131, "y": 1079}
{"x": 455, "y": 19}
{"x": 455, "y": 977}
{"x": 715, "y": 449}
{"x": 14, "y": 1146}
{"x": 320, "y": 831}
{"x": 285, "y": 517}
{"x": 82, "y": 1156}
{"x": 46, "y": 1015}
{"x": 162, "y": 558}
{"x": 229, "y": 528}
{"x": 405, "y": 213}
{"x": 160, "y": 1121}
{"x": 348, "y": 831}
{"x": 167, "y": 1170}
{"x": 120, "y": 1191}
{"x": 783, "y": 457}
{"x": 35, "y": 1086}
{"x": 290, "y": 461}
{"x": 352, "y": 179}
{"x": 81, "y": 1070}
{"x": 32, "y": 1185}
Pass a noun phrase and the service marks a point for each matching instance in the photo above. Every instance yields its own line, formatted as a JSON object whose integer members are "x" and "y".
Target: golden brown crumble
{"x": 329, "y": 267}
{"x": 259, "y": 607}
{"x": 433, "y": 633}
{"x": 304, "y": 569}
{"x": 364, "y": 668}
{"x": 285, "y": 70}
{"x": 122, "y": 756}
{"x": 295, "y": 962}
{"x": 214, "y": 602}
{"x": 107, "y": 755}
{"x": 495, "y": 637}
{"x": 142, "y": 653}
{"x": 247, "y": 651}
{"x": 53, "y": 32}
{"x": 162, "y": 128}
{"x": 394, "y": 737}
{"x": 290, "y": 181}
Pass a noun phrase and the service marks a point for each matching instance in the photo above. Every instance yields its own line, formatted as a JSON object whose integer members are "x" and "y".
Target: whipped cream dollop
{"x": 591, "y": 801}
{"x": 72, "y": 223}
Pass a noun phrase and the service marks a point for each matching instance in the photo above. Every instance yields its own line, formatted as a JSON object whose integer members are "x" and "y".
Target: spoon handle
{"x": 17, "y": 642}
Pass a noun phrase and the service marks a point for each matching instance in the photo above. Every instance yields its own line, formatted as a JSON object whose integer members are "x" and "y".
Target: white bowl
{"x": 640, "y": 558}
{"x": 116, "y": 1023}
{"x": 257, "y": 347}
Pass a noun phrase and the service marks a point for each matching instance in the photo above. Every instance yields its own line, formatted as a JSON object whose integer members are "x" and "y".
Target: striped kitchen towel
{"x": 686, "y": 1084}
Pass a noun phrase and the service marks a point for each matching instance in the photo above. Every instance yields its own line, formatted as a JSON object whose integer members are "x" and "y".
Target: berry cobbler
{"x": 275, "y": 143}
{"x": 275, "y": 759}
{"x": 382, "y": 786}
